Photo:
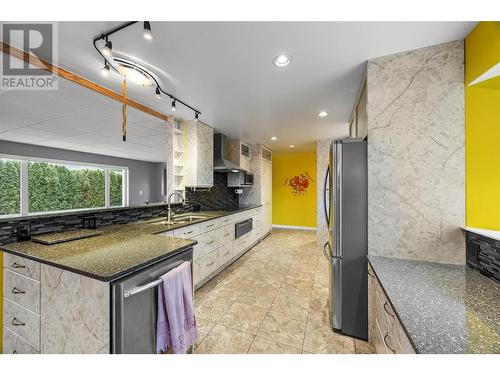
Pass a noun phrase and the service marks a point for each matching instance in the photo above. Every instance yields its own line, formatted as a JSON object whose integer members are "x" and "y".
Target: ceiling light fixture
{"x": 323, "y": 114}
{"x": 105, "y": 70}
{"x": 107, "y": 50}
{"x": 131, "y": 70}
{"x": 273, "y": 138}
{"x": 282, "y": 60}
{"x": 133, "y": 73}
{"x": 146, "y": 33}
{"x": 291, "y": 146}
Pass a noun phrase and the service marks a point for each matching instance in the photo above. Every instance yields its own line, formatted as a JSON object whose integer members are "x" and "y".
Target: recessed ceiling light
{"x": 291, "y": 146}
{"x": 273, "y": 138}
{"x": 323, "y": 114}
{"x": 282, "y": 60}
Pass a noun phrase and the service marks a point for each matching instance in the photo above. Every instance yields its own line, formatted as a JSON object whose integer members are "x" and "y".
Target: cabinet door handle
{"x": 385, "y": 342}
{"x": 210, "y": 225}
{"x": 14, "y": 351}
{"x": 210, "y": 242}
{"x": 208, "y": 265}
{"x": 17, "y": 291}
{"x": 227, "y": 234}
{"x": 387, "y": 311}
{"x": 16, "y": 322}
{"x": 227, "y": 253}
{"x": 17, "y": 265}
{"x": 188, "y": 232}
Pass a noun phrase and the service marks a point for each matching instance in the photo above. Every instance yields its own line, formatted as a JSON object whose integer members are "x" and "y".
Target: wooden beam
{"x": 61, "y": 72}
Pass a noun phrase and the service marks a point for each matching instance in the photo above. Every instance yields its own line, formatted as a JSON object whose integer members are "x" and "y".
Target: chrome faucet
{"x": 169, "y": 210}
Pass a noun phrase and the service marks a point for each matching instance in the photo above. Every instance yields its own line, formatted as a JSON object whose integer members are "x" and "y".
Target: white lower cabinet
{"x": 14, "y": 344}
{"x": 217, "y": 247}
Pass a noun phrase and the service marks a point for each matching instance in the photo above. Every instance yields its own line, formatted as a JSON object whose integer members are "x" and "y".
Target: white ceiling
{"x": 223, "y": 69}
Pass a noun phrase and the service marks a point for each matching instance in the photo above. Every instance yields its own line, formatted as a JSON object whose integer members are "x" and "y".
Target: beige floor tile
{"x": 319, "y": 338}
{"x": 204, "y": 327}
{"x": 364, "y": 347}
{"x": 246, "y": 318}
{"x": 259, "y": 294}
{"x": 264, "y": 346}
{"x": 212, "y": 307}
{"x": 287, "y": 297}
{"x": 285, "y": 325}
{"x": 225, "y": 340}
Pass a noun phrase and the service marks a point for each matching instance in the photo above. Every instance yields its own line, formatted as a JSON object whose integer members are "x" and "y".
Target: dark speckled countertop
{"x": 118, "y": 251}
{"x": 443, "y": 308}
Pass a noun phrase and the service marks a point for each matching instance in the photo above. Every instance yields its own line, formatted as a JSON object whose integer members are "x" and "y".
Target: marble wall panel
{"x": 416, "y": 161}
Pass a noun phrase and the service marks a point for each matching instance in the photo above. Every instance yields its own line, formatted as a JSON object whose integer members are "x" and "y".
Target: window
{"x": 32, "y": 186}
{"x": 10, "y": 187}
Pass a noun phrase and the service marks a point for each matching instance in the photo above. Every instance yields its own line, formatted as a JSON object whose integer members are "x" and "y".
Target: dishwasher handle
{"x": 152, "y": 284}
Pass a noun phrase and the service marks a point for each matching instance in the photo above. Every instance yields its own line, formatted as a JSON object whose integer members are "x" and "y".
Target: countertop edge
{"x": 107, "y": 279}
{"x": 490, "y": 233}
{"x": 394, "y": 308}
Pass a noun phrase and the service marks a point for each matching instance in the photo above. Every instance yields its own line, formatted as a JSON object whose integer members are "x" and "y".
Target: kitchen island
{"x": 58, "y": 297}
{"x": 442, "y": 308}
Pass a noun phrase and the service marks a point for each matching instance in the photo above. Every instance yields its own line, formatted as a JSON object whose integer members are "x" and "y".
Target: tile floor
{"x": 271, "y": 300}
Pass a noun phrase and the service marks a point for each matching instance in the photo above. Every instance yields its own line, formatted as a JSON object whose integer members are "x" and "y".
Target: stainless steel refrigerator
{"x": 346, "y": 249}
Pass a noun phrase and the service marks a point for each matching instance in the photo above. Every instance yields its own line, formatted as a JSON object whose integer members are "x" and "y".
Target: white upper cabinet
{"x": 199, "y": 155}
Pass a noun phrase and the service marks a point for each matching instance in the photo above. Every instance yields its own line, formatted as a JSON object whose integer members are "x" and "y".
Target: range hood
{"x": 221, "y": 164}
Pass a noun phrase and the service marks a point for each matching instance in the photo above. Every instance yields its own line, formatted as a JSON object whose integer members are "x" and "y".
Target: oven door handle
{"x": 152, "y": 284}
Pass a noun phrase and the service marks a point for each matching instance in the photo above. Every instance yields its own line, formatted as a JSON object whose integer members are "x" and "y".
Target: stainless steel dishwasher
{"x": 134, "y": 306}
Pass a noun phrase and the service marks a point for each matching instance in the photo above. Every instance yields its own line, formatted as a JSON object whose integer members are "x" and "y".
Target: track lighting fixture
{"x": 130, "y": 70}
{"x": 146, "y": 33}
{"x": 107, "y": 50}
{"x": 105, "y": 70}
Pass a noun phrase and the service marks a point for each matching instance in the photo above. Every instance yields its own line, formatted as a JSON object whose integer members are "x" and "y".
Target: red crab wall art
{"x": 299, "y": 183}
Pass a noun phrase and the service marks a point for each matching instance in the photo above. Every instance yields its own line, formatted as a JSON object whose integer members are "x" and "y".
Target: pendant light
{"x": 146, "y": 33}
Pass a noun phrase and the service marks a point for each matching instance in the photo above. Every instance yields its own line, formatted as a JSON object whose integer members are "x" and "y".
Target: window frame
{"x": 24, "y": 160}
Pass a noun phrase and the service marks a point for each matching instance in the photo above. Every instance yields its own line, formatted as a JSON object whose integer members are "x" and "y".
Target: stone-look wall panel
{"x": 416, "y": 163}
{"x": 199, "y": 154}
{"x": 322, "y": 160}
{"x": 75, "y": 313}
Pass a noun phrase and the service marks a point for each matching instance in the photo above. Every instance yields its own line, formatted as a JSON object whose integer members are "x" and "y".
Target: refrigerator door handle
{"x": 327, "y": 254}
{"x": 326, "y": 190}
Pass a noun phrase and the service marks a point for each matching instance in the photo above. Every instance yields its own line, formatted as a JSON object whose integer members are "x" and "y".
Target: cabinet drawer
{"x": 22, "y": 321}
{"x": 209, "y": 263}
{"x": 209, "y": 225}
{"x": 22, "y": 265}
{"x": 225, "y": 220}
{"x": 206, "y": 243}
{"x": 22, "y": 289}
{"x": 14, "y": 344}
{"x": 225, "y": 253}
{"x": 187, "y": 232}
{"x": 226, "y": 234}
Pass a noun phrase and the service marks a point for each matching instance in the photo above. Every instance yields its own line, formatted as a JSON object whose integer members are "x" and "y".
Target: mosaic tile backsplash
{"x": 483, "y": 254}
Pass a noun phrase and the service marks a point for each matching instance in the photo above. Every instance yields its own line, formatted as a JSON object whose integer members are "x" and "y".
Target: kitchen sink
{"x": 183, "y": 219}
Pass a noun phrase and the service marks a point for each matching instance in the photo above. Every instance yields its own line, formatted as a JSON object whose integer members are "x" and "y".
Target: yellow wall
{"x": 482, "y": 129}
{"x": 289, "y": 208}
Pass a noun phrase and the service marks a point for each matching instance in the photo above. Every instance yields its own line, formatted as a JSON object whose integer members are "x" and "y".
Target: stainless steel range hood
{"x": 221, "y": 164}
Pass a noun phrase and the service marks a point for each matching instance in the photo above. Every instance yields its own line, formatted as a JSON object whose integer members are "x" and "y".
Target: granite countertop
{"x": 118, "y": 251}
{"x": 443, "y": 308}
